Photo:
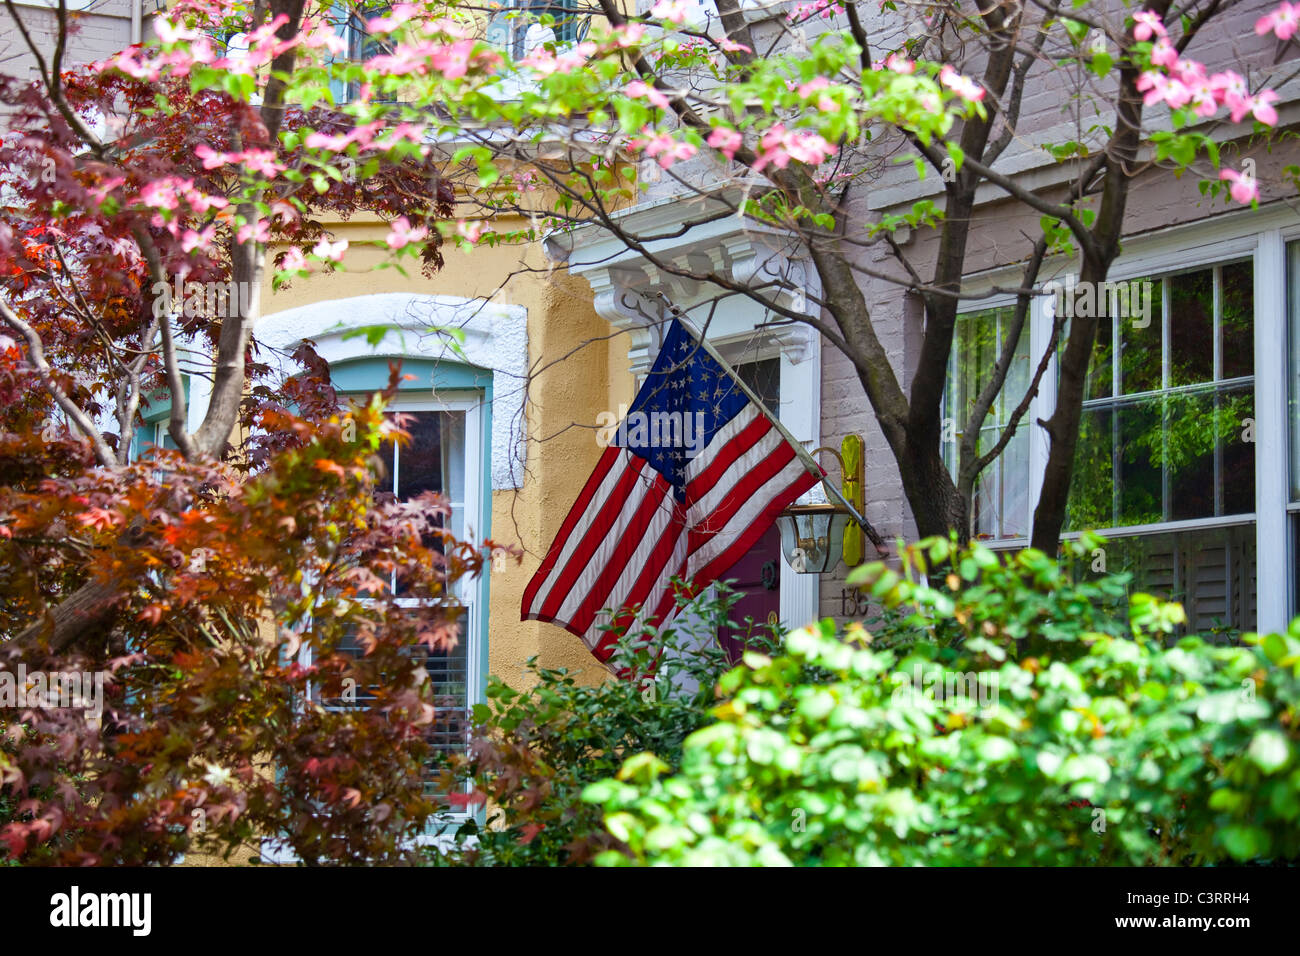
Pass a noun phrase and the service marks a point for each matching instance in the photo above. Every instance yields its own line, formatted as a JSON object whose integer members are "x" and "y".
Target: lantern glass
{"x": 812, "y": 536}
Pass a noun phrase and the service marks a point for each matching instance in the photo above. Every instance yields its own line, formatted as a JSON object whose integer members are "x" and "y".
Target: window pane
{"x": 1238, "y": 462}
{"x": 999, "y": 506}
{"x": 448, "y": 671}
{"x": 419, "y": 464}
{"x": 984, "y": 502}
{"x": 434, "y": 460}
{"x": 1140, "y": 454}
{"x": 1014, "y": 464}
{"x": 1101, "y": 371}
{"x": 764, "y": 379}
{"x": 1092, "y": 487}
{"x": 1195, "y": 427}
{"x": 976, "y": 355}
{"x": 1019, "y": 372}
{"x": 1141, "y": 344}
{"x": 1001, "y": 500}
{"x": 1191, "y": 328}
{"x": 452, "y": 442}
{"x": 1238, "y": 322}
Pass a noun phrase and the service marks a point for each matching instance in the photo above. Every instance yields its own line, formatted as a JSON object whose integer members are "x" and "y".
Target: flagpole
{"x": 811, "y": 463}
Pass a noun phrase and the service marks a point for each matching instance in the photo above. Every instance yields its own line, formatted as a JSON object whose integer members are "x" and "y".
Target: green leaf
{"x": 1245, "y": 842}
{"x": 1270, "y": 751}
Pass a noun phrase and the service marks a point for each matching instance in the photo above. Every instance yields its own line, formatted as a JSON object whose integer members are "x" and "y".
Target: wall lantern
{"x": 815, "y": 536}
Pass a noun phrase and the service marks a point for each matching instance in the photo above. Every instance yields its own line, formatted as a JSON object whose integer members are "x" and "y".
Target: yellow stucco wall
{"x": 581, "y": 372}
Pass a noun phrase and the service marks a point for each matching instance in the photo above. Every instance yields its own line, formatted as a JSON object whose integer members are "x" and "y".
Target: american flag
{"x": 695, "y": 475}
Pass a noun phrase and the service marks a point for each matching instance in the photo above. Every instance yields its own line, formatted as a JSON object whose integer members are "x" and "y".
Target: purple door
{"x": 758, "y": 574}
{"x": 758, "y": 577}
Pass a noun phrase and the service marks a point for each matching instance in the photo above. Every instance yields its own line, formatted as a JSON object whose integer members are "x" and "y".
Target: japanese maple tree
{"x": 235, "y": 595}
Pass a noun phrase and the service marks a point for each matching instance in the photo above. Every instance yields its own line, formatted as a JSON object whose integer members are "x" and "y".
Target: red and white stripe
{"x": 627, "y": 535}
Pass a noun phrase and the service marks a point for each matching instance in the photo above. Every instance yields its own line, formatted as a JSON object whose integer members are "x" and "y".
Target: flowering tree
{"x": 180, "y": 163}
{"x": 780, "y": 130}
{"x": 758, "y": 121}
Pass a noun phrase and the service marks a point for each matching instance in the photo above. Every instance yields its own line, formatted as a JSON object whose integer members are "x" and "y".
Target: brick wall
{"x": 100, "y": 30}
{"x": 1157, "y": 200}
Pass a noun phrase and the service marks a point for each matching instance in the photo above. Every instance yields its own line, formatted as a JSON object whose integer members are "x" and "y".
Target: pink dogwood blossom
{"x": 1244, "y": 189}
{"x": 638, "y": 89}
{"x": 402, "y": 235}
{"x": 333, "y": 251}
{"x": 963, "y": 86}
{"x": 778, "y": 146}
{"x": 1164, "y": 54}
{"x": 900, "y": 64}
{"x": 674, "y": 11}
{"x": 471, "y": 230}
{"x": 667, "y": 149}
{"x": 398, "y": 14}
{"x": 294, "y": 260}
{"x": 629, "y": 34}
{"x": 725, "y": 141}
{"x": 1284, "y": 21}
{"x": 191, "y": 240}
{"x": 258, "y": 231}
{"x": 1146, "y": 25}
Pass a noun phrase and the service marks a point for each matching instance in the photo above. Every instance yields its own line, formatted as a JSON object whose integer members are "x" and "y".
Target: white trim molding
{"x": 494, "y": 337}
{"x": 1261, "y": 235}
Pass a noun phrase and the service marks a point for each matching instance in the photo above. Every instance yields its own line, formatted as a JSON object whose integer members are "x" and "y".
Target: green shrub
{"x": 1093, "y": 741}
{"x": 534, "y": 751}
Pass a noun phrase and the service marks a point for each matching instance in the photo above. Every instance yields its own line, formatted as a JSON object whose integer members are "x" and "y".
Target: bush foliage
{"x": 535, "y": 751}
{"x": 1100, "y": 737}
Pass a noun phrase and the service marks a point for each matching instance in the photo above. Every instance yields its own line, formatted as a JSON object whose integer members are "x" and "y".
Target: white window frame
{"x": 1037, "y": 342}
{"x": 1262, "y": 235}
{"x": 495, "y": 338}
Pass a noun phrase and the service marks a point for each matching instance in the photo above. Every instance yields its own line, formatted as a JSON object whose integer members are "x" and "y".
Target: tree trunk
{"x": 69, "y": 621}
{"x": 937, "y": 507}
{"x": 1063, "y": 426}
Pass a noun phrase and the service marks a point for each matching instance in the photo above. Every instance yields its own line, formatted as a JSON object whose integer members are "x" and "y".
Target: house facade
{"x": 1190, "y": 451}
{"x": 100, "y": 28}
{"x": 1189, "y": 457}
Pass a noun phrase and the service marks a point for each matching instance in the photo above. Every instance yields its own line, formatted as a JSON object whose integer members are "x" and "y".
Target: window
{"x": 350, "y": 23}
{"x": 437, "y": 459}
{"x": 1166, "y": 433}
{"x": 155, "y": 410}
{"x": 1293, "y": 418}
{"x": 1001, "y": 502}
{"x": 1165, "y": 462}
{"x": 531, "y": 24}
